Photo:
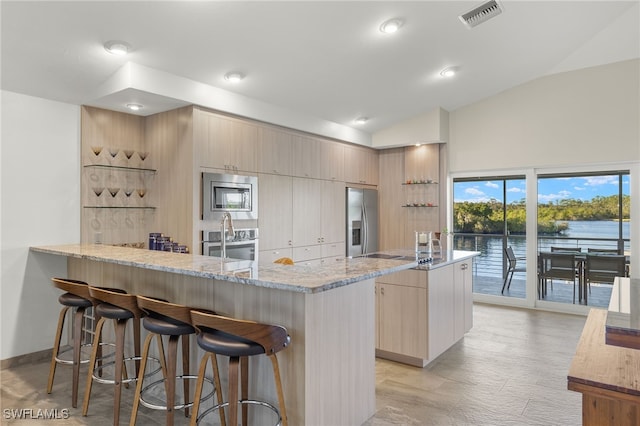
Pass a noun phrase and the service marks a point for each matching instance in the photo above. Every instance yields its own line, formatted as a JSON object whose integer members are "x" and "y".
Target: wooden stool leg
{"x": 119, "y": 370}
{"x": 233, "y": 390}
{"x": 143, "y": 365}
{"x": 276, "y": 376}
{"x": 161, "y": 356}
{"x": 77, "y": 344}
{"x": 198, "y": 390}
{"x": 92, "y": 364}
{"x": 185, "y": 371}
{"x": 56, "y": 348}
{"x": 244, "y": 390}
{"x": 170, "y": 380}
{"x": 218, "y": 387}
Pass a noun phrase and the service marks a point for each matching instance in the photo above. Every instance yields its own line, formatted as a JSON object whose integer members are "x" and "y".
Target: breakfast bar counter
{"x": 328, "y": 371}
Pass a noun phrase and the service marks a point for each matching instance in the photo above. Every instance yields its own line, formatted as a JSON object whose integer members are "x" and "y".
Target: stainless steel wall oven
{"x": 244, "y": 244}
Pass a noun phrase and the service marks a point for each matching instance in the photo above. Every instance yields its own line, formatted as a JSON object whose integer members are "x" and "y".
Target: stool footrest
{"x": 176, "y": 407}
{"x": 244, "y": 401}
{"x": 99, "y": 379}
{"x": 82, "y": 361}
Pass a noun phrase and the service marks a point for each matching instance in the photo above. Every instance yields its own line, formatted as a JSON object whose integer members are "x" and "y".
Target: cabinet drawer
{"x": 269, "y": 256}
{"x": 409, "y": 278}
{"x": 333, "y": 250}
{"x": 307, "y": 253}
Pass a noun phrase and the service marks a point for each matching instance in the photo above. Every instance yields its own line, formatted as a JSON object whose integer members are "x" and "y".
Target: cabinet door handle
{"x": 464, "y": 266}
{"x": 381, "y": 290}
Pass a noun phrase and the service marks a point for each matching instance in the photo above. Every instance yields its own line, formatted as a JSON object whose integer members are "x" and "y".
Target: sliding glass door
{"x": 582, "y": 213}
{"x": 489, "y": 216}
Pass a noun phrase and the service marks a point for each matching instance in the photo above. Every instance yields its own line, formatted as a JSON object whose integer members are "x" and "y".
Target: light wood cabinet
{"x": 442, "y": 310}
{"x": 274, "y": 151}
{"x": 302, "y": 213}
{"x": 361, "y": 165}
{"x": 276, "y": 212}
{"x": 332, "y": 161}
{"x": 307, "y": 217}
{"x": 333, "y": 200}
{"x": 422, "y": 313}
{"x": 306, "y": 156}
{"x": 266, "y": 257}
{"x": 463, "y": 280}
{"x": 230, "y": 144}
{"x": 402, "y": 314}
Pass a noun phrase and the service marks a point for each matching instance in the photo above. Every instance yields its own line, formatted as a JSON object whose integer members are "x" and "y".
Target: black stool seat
{"x": 72, "y": 300}
{"x": 222, "y": 343}
{"x": 166, "y": 326}
{"x": 110, "y": 311}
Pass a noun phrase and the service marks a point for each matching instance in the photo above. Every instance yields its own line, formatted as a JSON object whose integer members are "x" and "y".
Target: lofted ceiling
{"x": 316, "y": 61}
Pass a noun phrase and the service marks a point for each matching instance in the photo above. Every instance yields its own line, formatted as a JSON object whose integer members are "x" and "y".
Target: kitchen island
{"x": 328, "y": 371}
{"x": 421, "y": 312}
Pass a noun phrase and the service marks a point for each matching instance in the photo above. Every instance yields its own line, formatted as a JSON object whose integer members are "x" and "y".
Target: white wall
{"x": 40, "y": 205}
{"x": 589, "y": 116}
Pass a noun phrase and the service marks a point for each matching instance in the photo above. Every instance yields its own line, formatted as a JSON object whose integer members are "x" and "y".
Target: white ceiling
{"x": 322, "y": 61}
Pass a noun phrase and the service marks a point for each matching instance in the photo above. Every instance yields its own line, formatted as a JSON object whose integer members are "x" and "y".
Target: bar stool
{"x": 238, "y": 340}
{"x": 120, "y": 307}
{"x": 166, "y": 319}
{"x": 76, "y": 296}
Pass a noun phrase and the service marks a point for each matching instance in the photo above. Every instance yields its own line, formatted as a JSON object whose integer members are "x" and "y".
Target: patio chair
{"x": 512, "y": 268}
{"x": 604, "y": 268}
{"x": 558, "y": 266}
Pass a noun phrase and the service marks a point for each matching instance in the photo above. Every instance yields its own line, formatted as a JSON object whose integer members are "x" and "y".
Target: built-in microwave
{"x": 236, "y": 194}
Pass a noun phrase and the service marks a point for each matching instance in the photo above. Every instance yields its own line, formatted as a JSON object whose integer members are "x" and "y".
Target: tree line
{"x": 488, "y": 217}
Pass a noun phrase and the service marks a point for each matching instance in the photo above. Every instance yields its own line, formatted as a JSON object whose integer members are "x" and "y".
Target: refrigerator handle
{"x": 364, "y": 230}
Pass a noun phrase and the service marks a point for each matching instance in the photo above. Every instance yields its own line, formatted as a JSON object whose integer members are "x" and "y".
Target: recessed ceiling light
{"x": 449, "y": 71}
{"x": 134, "y": 107}
{"x": 391, "y": 26}
{"x": 234, "y": 76}
{"x": 361, "y": 120}
{"x": 117, "y": 47}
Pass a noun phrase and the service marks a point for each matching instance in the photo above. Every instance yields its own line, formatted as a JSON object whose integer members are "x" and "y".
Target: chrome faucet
{"x": 226, "y": 225}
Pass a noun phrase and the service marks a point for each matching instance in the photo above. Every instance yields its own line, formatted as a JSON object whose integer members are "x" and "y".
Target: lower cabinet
{"x": 420, "y": 314}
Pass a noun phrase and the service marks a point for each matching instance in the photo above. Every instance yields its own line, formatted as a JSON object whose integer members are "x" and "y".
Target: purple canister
{"x": 153, "y": 240}
{"x": 162, "y": 242}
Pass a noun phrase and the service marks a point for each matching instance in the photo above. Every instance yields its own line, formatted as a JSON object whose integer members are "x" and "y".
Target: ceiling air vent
{"x": 481, "y": 13}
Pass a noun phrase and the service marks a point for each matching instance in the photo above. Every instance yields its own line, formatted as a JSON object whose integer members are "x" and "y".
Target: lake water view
{"x": 582, "y": 234}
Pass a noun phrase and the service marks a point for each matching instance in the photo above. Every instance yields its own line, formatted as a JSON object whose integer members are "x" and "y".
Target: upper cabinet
{"x": 226, "y": 143}
{"x": 361, "y": 165}
{"x": 332, "y": 161}
{"x": 274, "y": 151}
{"x": 306, "y": 156}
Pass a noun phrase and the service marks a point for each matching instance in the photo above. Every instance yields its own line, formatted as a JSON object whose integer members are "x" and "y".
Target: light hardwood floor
{"x": 510, "y": 369}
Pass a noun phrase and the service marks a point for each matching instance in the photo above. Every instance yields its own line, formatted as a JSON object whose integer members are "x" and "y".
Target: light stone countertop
{"x": 297, "y": 278}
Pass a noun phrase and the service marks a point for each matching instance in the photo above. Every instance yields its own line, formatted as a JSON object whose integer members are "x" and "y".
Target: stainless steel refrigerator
{"x": 362, "y": 221}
